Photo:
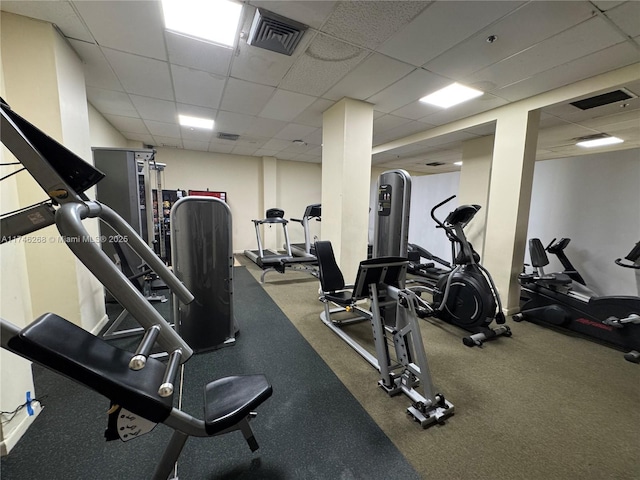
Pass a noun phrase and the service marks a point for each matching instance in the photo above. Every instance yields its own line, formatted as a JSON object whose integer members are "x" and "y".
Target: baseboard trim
{"x": 16, "y": 434}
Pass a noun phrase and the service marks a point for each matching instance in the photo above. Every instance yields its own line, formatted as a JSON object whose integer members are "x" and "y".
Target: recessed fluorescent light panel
{"x": 452, "y": 95}
{"x": 599, "y": 142}
{"x": 196, "y": 122}
{"x": 213, "y": 20}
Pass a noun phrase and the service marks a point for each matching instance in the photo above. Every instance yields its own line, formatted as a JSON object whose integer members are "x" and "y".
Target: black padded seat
{"x": 343, "y": 298}
{"x": 228, "y": 400}
{"x": 556, "y": 279}
{"x": 75, "y": 353}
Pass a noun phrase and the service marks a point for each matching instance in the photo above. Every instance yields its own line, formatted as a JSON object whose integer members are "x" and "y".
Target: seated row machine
{"x": 393, "y": 318}
{"x": 140, "y": 386}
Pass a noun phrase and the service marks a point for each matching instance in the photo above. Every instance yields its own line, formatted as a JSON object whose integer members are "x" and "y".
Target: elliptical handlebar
{"x": 435, "y": 219}
{"x": 633, "y": 257}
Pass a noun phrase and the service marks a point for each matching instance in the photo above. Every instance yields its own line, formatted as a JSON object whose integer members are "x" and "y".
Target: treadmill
{"x": 266, "y": 258}
{"x": 307, "y": 248}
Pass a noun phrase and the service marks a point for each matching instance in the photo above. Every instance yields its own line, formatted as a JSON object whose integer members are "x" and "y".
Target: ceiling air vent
{"x": 228, "y": 136}
{"x": 604, "y": 99}
{"x": 274, "y": 32}
{"x": 434, "y": 164}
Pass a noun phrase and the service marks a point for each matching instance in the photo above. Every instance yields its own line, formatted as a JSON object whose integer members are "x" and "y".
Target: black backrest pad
{"x": 381, "y": 271}
{"x": 331, "y": 277}
{"x": 65, "y": 348}
{"x": 538, "y": 255}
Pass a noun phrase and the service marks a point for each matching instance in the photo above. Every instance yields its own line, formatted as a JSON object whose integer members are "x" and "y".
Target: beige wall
{"x": 44, "y": 82}
{"x": 102, "y": 133}
{"x": 297, "y": 185}
{"x": 15, "y": 306}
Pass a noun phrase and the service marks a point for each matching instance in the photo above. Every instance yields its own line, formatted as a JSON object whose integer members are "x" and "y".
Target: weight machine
{"x": 141, "y": 386}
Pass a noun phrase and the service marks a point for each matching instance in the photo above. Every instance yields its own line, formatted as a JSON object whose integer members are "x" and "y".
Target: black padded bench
{"x": 67, "y": 349}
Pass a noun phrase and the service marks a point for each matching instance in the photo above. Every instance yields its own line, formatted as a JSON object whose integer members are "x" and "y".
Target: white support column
{"x": 347, "y": 135}
{"x": 509, "y": 201}
{"x": 270, "y": 234}
{"x": 475, "y": 176}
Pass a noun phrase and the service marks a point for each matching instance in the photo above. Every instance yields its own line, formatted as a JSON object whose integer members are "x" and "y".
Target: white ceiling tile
{"x": 155, "y": 109}
{"x": 163, "y": 129}
{"x": 441, "y": 26}
{"x": 417, "y": 109}
{"x": 170, "y": 142}
{"x": 286, "y": 106}
{"x": 450, "y": 138}
{"x": 198, "y": 54}
{"x": 609, "y": 113}
{"x": 312, "y": 115}
{"x": 368, "y": 24}
{"x": 406, "y": 90}
{"x": 401, "y": 131}
{"x": 97, "y": 71}
{"x": 325, "y": 62}
{"x": 127, "y": 124}
{"x": 623, "y": 120}
{"x": 627, "y": 17}
{"x": 259, "y": 65}
{"x": 514, "y": 35}
{"x": 387, "y": 122}
{"x": 134, "y": 27}
{"x": 195, "y": 87}
{"x": 196, "y": 145}
{"x": 369, "y": 77}
{"x": 139, "y": 137}
{"x": 584, "y": 67}
{"x": 196, "y": 111}
{"x": 466, "y": 109}
{"x": 245, "y": 97}
{"x": 111, "y": 102}
{"x": 581, "y": 40}
{"x": 198, "y": 134}
{"x": 311, "y": 13}
{"x": 264, "y": 127}
{"x": 294, "y": 132}
{"x": 252, "y": 140}
{"x": 231, "y": 122}
{"x": 562, "y": 135}
{"x": 218, "y": 147}
{"x": 58, "y": 13}
{"x": 276, "y": 144}
{"x": 141, "y": 75}
{"x": 605, "y": 5}
{"x": 314, "y": 139}
{"x": 265, "y": 152}
{"x": 244, "y": 150}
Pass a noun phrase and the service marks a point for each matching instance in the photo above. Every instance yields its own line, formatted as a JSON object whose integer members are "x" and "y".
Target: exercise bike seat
{"x": 539, "y": 259}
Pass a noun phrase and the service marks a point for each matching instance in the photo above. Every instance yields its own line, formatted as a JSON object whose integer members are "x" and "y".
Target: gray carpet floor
{"x": 539, "y": 405}
{"x": 311, "y": 428}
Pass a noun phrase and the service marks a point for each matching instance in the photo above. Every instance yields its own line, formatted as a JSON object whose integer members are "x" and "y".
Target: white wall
{"x": 594, "y": 200}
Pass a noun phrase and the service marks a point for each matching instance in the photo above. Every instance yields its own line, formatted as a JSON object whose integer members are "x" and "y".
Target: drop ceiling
{"x": 388, "y": 53}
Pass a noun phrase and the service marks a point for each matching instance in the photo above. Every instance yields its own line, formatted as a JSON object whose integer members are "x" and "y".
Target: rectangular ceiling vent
{"x": 434, "y": 164}
{"x": 228, "y": 136}
{"x": 604, "y": 99}
{"x": 274, "y": 32}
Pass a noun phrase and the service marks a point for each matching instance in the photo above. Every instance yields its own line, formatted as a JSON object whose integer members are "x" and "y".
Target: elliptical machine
{"x": 556, "y": 300}
{"x": 465, "y": 295}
